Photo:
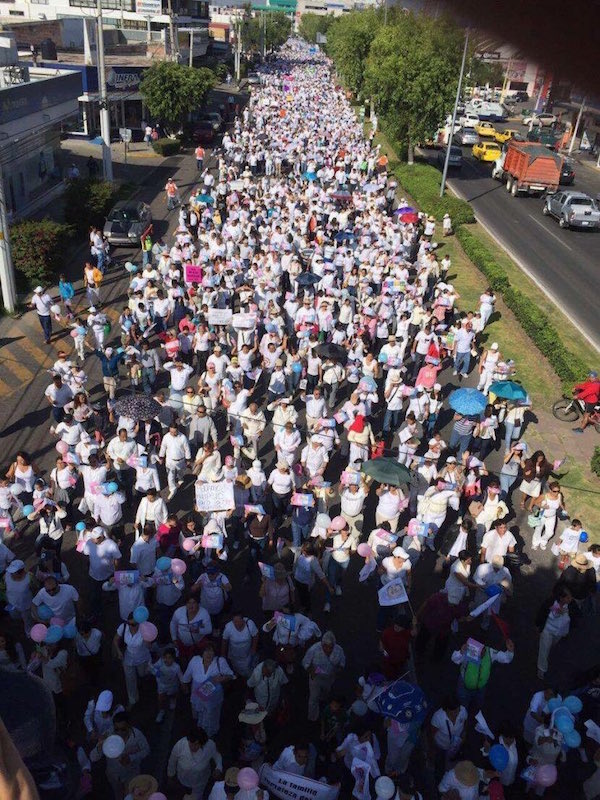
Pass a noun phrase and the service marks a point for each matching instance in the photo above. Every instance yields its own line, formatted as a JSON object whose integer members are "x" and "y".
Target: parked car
{"x": 468, "y": 120}
{"x": 485, "y": 129}
{"x": 539, "y": 119}
{"x": 253, "y": 78}
{"x": 486, "y": 151}
{"x": 504, "y": 136}
{"x": 455, "y": 161}
{"x": 573, "y": 210}
{"x": 126, "y": 222}
{"x": 520, "y": 97}
{"x": 215, "y": 119}
{"x": 466, "y": 136}
{"x": 204, "y": 132}
{"x": 567, "y": 173}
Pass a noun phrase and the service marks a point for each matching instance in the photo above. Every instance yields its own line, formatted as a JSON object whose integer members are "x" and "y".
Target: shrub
{"x": 536, "y": 324}
{"x": 38, "y": 250}
{"x": 87, "y": 202}
{"x": 595, "y": 462}
{"x": 166, "y": 147}
{"x": 221, "y": 71}
{"x": 422, "y": 182}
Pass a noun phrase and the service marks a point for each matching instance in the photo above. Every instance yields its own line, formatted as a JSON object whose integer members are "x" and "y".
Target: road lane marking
{"x": 18, "y": 370}
{"x": 550, "y": 233}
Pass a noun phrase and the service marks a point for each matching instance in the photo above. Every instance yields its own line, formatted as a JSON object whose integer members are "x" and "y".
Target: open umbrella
{"x": 386, "y": 470}
{"x": 341, "y": 196}
{"x": 307, "y": 279}
{"x": 509, "y": 390}
{"x": 408, "y": 217}
{"x": 467, "y": 401}
{"x": 310, "y": 176}
{"x": 405, "y": 210}
{"x": 403, "y": 702}
{"x": 137, "y": 406}
{"x": 205, "y": 198}
{"x": 333, "y": 351}
{"x": 370, "y": 188}
{"x": 345, "y": 236}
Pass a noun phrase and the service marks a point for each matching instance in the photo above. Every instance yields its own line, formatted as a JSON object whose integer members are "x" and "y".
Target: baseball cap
{"x": 104, "y": 701}
{"x": 38, "y": 290}
{"x": 15, "y": 566}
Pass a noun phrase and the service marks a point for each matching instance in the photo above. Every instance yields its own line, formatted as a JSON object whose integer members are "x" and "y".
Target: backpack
{"x": 477, "y": 674}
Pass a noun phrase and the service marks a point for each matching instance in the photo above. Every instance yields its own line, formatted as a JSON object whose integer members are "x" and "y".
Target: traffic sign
{"x": 125, "y": 134}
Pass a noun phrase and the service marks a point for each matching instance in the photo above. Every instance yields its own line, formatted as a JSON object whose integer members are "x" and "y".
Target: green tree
{"x": 171, "y": 91}
{"x": 275, "y": 26}
{"x": 412, "y": 72}
{"x": 349, "y": 41}
{"x": 312, "y": 24}
{"x": 482, "y": 72}
{"x": 38, "y": 250}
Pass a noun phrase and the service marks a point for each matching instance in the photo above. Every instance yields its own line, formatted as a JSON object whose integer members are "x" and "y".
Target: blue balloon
{"x": 27, "y": 510}
{"x": 493, "y": 590}
{"x": 563, "y": 723}
{"x": 498, "y": 757}
{"x": 54, "y": 634}
{"x": 554, "y": 703}
{"x": 112, "y": 487}
{"x": 80, "y": 526}
{"x": 573, "y": 704}
{"x": 141, "y": 614}
{"x": 296, "y": 366}
{"x": 44, "y": 612}
{"x": 583, "y": 537}
{"x": 572, "y": 739}
{"x": 69, "y": 631}
{"x": 163, "y": 563}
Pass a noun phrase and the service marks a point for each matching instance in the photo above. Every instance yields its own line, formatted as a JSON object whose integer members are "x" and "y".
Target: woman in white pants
{"x": 130, "y": 648}
{"x": 555, "y": 624}
{"x": 487, "y": 366}
{"x": 551, "y": 503}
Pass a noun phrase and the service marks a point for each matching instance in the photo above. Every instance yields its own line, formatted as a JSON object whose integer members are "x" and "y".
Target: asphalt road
{"x": 564, "y": 263}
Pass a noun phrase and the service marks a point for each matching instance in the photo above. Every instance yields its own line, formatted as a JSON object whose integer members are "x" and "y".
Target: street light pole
{"x": 454, "y": 113}
{"x": 7, "y": 272}
{"x": 576, "y": 130}
{"x": 104, "y": 111}
{"x": 191, "y": 64}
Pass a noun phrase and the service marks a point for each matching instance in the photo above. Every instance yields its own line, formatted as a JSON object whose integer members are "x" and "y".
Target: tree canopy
{"x": 348, "y": 42}
{"x": 172, "y": 90}
{"x": 312, "y": 24}
{"x": 276, "y": 25}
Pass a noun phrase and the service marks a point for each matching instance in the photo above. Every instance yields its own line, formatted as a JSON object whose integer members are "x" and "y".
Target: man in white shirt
{"x": 323, "y": 660}
{"x": 120, "y": 449}
{"x": 458, "y": 582}
{"x": 42, "y": 303}
{"x": 58, "y": 394}
{"x": 497, "y": 542}
{"x": 61, "y": 599}
{"x": 104, "y": 555}
{"x": 108, "y": 509}
{"x": 219, "y": 360}
{"x": 463, "y": 339}
{"x": 294, "y": 759}
{"x": 152, "y": 508}
{"x": 315, "y": 408}
{"x": 175, "y": 455}
{"x": 190, "y": 762}
{"x": 180, "y": 374}
{"x": 314, "y": 458}
{"x": 253, "y": 423}
{"x": 420, "y": 348}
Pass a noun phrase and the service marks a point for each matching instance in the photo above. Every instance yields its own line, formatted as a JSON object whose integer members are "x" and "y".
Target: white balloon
{"x": 113, "y": 746}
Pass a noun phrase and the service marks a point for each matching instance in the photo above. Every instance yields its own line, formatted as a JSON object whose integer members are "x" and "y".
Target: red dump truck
{"x": 528, "y": 168}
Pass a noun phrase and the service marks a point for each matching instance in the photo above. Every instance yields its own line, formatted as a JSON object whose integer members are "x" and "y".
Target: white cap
{"x": 15, "y": 566}
{"x": 451, "y": 460}
{"x": 38, "y": 290}
{"x": 437, "y": 387}
{"x": 97, "y": 532}
{"x": 92, "y": 309}
{"x": 494, "y": 346}
{"x": 399, "y": 552}
{"x": 104, "y": 701}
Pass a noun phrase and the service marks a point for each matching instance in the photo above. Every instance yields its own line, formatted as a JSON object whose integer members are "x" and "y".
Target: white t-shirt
{"x": 495, "y": 545}
{"x": 448, "y": 732}
{"x": 102, "y": 557}
{"x": 455, "y": 589}
{"x": 282, "y": 482}
{"x": 62, "y": 603}
{"x": 42, "y": 303}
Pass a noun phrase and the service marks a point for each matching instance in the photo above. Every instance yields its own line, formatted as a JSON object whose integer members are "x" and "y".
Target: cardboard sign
{"x": 393, "y": 593}
{"x": 192, "y": 273}
{"x": 126, "y": 577}
{"x": 287, "y": 786}
{"x": 215, "y": 496}
{"x": 212, "y": 541}
{"x": 219, "y": 316}
{"x": 302, "y": 500}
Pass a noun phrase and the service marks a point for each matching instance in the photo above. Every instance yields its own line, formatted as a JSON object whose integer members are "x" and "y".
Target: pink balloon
{"x": 62, "y": 447}
{"x": 178, "y": 567}
{"x": 364, "y": 550}
{"x": 149, "y": 631}
{"x": 338, "y": 523}
{"x": 73, "y": 334}
{"x": 247, "y": 778}
{"x": 58, "y": 621}
{"x": 188, "y": 545}
{"x": 545, "y": 775}
{"x": 38, "y": 632}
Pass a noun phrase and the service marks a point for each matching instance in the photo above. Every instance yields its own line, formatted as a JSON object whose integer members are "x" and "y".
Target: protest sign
{"x": 287, "y": 786}
{"x": 192, "y": 273}
{"x": 393, "y": 593}
{"x": 219, "y": 316}
{"x": 243, "y": 321}
{"x": 215, "y": 496}
{"x": 302, "y": 500}
{"x": 126, "y": 577}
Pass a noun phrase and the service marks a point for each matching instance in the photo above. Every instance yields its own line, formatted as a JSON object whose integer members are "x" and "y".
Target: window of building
{"x": 13, "y": 13}
{"x": 116, "y": 5}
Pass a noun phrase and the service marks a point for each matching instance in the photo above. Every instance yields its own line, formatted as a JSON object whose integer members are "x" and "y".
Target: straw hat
{"x": 581, "y": 562}
{"x": 466, "y": 773}
{"x": 142, "y": 786}
{"x": 251, "y": 713}
{"x": 231, "y": 778}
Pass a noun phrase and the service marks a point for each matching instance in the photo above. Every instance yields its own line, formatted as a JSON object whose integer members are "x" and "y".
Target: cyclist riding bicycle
{"x": 588, "y": 392}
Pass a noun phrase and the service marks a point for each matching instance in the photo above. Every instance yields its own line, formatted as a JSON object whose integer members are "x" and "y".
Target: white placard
{"x": 393, "y": 593}
{"x": 148, "y": 8}
{"x": 288, "y": 786}
{"x": 215, "y": 496}
{"x": 243, "y": 321}
{"x": 219, "y": 316}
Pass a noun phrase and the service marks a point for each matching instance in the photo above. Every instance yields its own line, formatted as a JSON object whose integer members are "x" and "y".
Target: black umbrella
{"x": 307, "y": 279}
{"x": 137, "y": 406}
{"x": 333, "y": 351}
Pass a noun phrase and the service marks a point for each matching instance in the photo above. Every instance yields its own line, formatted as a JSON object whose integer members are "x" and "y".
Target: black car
{"x": 567, "y": 174}
{"x": 454, "y": 162}
{"x": 520, "y": 97}
{"x": 126, "y": 222}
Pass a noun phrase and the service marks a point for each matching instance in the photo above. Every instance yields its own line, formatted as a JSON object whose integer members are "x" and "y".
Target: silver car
{"x": 466, "y": 136}
{"x": 126, "y": 222}
{"x": 573, "y": 210}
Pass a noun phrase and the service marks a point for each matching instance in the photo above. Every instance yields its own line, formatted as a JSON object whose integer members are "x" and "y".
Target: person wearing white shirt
{"x": 131, "y": 595}
{"x": 463, "y": 780}
{"x": 448, "y": 729}
{"x": 352, "y": 500}
{"x": 104, "y": 556}
{"x": 323, "y": 660}
{"x": 143, "y": 552}
{"x": 189, "y": 627}
{"x": 282, "y": 485}
{"x": 94, "y": 475}
{"x": 120, "y": 449}
{"x": 491, "y": 574}
{"x": 497, "y": 542}
{"x": 151, "y": 509}
{"x": 145, "y": 477}
{"x": 180, "y": 374}
{"x": 293, "y": 759}
{"x": 458, "y": 583}
{"x": 42, "y": 302}
{"x": 253, "y": 424}
{"x": 287, "y": 440}
{"x": 314, "y": 458}
{"x": 190, "y": 762}
{"x": 175, "y": 453}
{"x": 219, "y": 361}
{"x": 61, "y": 599}
{"x": 109, "y": 509}
{"x": 266, "y": 680}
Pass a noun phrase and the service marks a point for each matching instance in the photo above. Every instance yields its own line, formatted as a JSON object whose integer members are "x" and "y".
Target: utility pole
{"x": 7, "y": 272}
{"x": 191, "y": 47}
{"x": 454, "y": 113}
{"x": 104, "y": 110}
{"x": 576, "y": 130}
{"x": 238, "y": 48}
{"x": 174, "y": 40}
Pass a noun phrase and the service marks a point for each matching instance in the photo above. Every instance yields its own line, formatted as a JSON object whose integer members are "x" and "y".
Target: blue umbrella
{"x": 369, "y": 383}
{"x": 344, "y": 236}
{"x": 403, "y": 702}
{"x": 307, "y": 279}
{"x": 205, "y": 198}
{"x": 405, "y": 210}
{"x": 310, "y": 176}
{"x": 509, "y": 390}
{"x": 370, "y": 187}
{"x": 467, "y": 401}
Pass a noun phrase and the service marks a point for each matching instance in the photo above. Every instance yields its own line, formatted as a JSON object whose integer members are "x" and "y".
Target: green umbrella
{"x": 386, "y": 470}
